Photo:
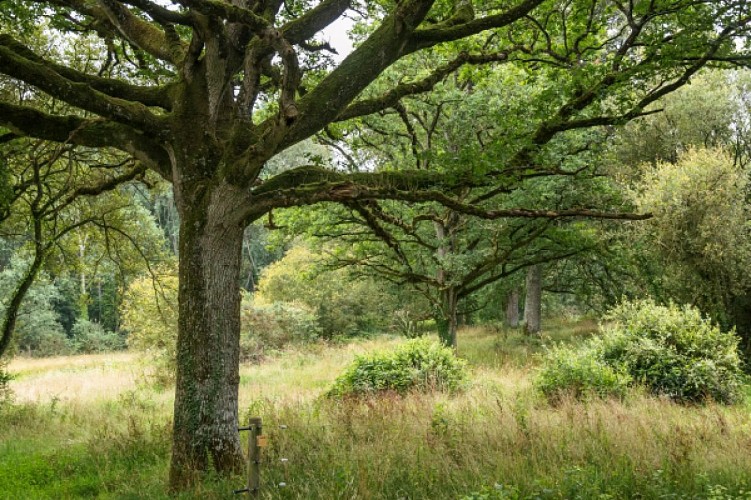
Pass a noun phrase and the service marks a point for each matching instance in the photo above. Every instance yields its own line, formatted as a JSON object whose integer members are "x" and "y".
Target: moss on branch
{"x": 310, "y": 185}
{"x": 149, "y": 96}
{"x": 77, "y": 94}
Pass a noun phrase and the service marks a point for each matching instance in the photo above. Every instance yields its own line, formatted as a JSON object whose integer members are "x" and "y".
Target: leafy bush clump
{"x": 580, "y": 374}
{"x": 363, "y": 307}
{"x": 274, "y": 326}
{"x": 672, "y": 351}
{"x": 90, "y": 337}
{"x": 44, "y": 343}
{"x": 419, "y": 364}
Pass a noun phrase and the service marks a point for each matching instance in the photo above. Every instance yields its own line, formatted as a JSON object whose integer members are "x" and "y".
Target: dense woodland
{"x": 210, "y": 190}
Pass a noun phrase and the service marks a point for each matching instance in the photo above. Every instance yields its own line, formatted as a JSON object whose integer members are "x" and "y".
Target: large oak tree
{"x": 207, "y": 91}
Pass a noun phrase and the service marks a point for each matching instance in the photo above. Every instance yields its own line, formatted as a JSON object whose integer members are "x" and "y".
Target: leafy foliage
{"x": 569, "y": 372}
{"x": 274, "y": 326}
{"x": 705, "y": 114}
{"x": 91, "y": 337}
{"x": 672, "y": 351}
{"x": 149, "y": 315}
{"x": 38, "y": 330}
{"x": 361, "y": 307}
{"x": 419, "y": 364}
{"x": 699, "y": 233}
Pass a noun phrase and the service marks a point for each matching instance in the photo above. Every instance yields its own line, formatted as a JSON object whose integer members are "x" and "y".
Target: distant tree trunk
{"x": 533, "y": 300}
{"x": 448, "y": 320}
{"x": 83, "y": 298}
{"x": 8, "y": 325}
{"x": 512, "y": 308}
{"x": 464, "y": 319}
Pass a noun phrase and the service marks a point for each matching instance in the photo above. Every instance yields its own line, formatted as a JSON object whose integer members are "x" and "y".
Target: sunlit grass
{"x": 305, "y": 372}
{"x": 73, "y": 378}
{"x": 22, "y": 366}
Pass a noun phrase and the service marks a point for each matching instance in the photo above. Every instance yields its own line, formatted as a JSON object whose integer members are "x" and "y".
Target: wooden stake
{"x": 254, "y": 456}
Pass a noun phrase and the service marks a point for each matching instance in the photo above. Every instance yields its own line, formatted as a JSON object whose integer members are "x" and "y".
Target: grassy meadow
{"x": 88, "y": 426}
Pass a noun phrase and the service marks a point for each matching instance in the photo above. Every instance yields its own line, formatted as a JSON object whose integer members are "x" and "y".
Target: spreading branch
{"x": 148, "y": 96}
{"x": 311, "y": 185}
{"x": 393, "y": 96}
{"x": 428, "y": 37}
{"x": 78, "y": 94}
{"x": 306, "y": 26}
{"x": 30, "y": 122}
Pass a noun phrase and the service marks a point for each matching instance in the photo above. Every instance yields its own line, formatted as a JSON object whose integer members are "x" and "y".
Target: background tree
{"x": 687, "y": 165}
{"x": 444, "y": 254}
{"x": 701, "y": 233}
{"x": 57, "y": 201}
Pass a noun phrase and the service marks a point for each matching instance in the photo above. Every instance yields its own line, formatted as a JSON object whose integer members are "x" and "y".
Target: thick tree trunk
{"x": 533, "y": 300}
{"x": 206, "y": 394}
{"x": 448, "y": 320}
{"x": 512, "y": 308}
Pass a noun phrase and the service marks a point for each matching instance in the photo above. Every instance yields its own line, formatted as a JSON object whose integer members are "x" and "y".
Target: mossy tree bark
{"x": 512, "y": 308}
{"x": 206, "y": 397}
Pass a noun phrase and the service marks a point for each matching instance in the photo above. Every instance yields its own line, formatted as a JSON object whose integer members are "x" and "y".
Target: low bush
{"x": 90, "y": 337}
{"x": 44, "y": 343}
{"x": 272, "y": 327}
{"x": 672, "y": 351}
{"x": 569, "y": 372}
{"x": 420, "y": 365}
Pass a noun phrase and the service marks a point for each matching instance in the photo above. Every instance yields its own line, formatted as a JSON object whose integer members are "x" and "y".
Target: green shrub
{"x": 43, "y": 343}
{"x": 149, "y": 315}
{"x": 672, "y": 351}
{"x": 274, "y": 326}
{"x": 363, "y": 306}
{"x": 90, "y": 337}
{"x": 580, "y": 374}
{"x": 419, "y": 364}
{"x": 6, "y": 393}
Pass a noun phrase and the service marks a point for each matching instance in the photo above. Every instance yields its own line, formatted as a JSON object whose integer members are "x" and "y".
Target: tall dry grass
{"x": 75, "y": 379}
{"x": 108, "y": 437}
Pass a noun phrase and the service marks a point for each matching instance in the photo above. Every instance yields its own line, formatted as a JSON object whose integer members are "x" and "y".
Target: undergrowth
{"x": 497, "y": 439}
